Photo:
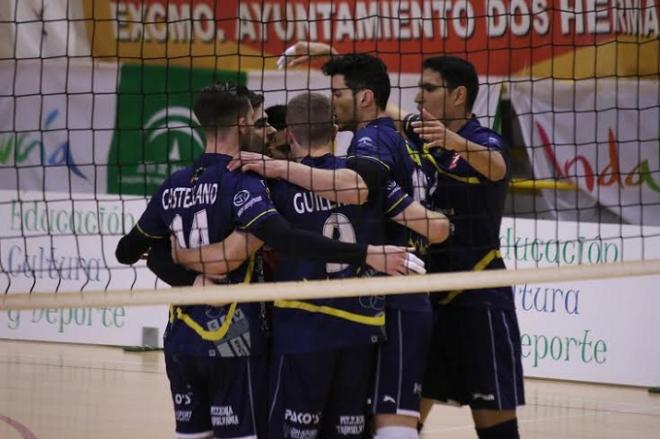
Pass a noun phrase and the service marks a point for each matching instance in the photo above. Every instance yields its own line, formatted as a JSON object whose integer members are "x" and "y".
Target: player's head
{"x": 264, "y": 132}
{"x": 278, "y": 148}
{"x": 448, "y": 87}
{"x": 310, "y": 123}
{"x": 224, "y": 109}
{"x": 360, "y": 87}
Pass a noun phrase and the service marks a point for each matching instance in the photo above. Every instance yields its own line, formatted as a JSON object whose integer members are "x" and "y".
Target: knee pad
{"x": 396, "y": 432}
{"x": 505, "y": 430}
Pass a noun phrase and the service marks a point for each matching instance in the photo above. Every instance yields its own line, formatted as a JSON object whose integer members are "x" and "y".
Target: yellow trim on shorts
{"x": 377, "y": 320}
{"x": 479, "y": 266}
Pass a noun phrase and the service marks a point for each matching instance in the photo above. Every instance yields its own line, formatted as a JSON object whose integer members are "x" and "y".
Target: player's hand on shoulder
{"x": 302, "y": 52}
{"x": 394, "y": 260}
{"x": 262, "y": 165}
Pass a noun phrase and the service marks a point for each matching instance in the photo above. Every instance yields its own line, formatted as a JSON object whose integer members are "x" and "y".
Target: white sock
{"x": 396, "y": 432}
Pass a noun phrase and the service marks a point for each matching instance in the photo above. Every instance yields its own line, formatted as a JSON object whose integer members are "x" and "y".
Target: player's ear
{"x": 290, "y": 138}
{"x": 241, "y": 123}
{"x": 459, "y": 95}
{"x": 366, "y": 97}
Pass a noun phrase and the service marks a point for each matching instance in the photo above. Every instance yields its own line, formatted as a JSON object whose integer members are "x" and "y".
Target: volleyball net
{"x": 96, "y": 99}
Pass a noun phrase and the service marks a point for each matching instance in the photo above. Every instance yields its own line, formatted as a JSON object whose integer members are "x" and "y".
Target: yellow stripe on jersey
{"x": 377, "y": 320}
{"x": 415, "y": 156}
{"x": 257, "y": 217}
{"x": 137, "y": 226}
{"x": 403, "y": 197}
{"x": 479, "y": 266}
{"x": 468, "y": 180}
{"x": 216, "y": 334}
{"x": 430, "y": 158}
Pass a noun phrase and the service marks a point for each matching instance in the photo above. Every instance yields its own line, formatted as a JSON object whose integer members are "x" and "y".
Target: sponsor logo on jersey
{"x": 183, "y": 415}
{"x": 302, "y": 417}
{"x": 351, "y": 425}
{"x": 223, "y": 415}
{"x": 365, "y": 141}
{"x": 241, "y": 198}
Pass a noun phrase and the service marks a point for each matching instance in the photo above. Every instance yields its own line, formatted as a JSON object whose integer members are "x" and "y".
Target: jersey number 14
{"x": 199, "y": 231}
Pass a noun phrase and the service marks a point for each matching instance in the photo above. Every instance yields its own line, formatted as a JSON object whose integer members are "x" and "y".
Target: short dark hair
{"x": 456, "y": 72}
{"x": 277, "y": 116}
{"x": 309, "y": 117}
{"x": 219, "y": 106}
{"x": 255, "y": 99}
{"x": 362, "y": 71}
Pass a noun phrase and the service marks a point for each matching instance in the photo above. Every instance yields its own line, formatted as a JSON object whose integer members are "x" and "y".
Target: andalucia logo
{"x": 156, "y": 132}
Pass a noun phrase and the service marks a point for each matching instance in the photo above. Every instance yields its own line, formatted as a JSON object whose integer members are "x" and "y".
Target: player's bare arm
{"x": 433, "y": 225}
{"x": 338, "y": 185}
{"x": 277, "y": 233}
{"x": 133, "y": 246}
{"x": 303, "y": 52}
{"x": 219, "y": 258}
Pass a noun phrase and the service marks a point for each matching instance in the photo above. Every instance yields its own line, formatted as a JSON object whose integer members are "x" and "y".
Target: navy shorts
{"x": 321, "y": 394}
{"x": 218, "y": 397}
{"x": 475, "y": 358}
{"x": 401, "y": 362}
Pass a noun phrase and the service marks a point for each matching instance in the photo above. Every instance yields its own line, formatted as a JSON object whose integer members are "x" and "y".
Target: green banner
{"x": 155, "y": 131}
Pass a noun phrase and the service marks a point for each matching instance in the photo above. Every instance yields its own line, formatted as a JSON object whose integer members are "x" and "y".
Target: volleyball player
{"x": 214, "y": 354}
{"x": 360, "y": 90}
{"x": 471, "y": 179}
{"x": 327, "y": 342}
{"x": 475, "y": 357}
{"x": 323, "y": 350}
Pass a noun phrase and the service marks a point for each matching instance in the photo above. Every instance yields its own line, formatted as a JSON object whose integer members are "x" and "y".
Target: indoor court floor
{"x": 60, "y": 391}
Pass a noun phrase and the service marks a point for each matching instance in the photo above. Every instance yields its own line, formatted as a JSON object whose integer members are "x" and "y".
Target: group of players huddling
{"x": 367, "y": 366}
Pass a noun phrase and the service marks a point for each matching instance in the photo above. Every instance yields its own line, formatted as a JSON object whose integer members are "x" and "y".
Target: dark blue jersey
{"x": 381, "y": 142}
{"x": 326, "y": 324}
{"x": 474, "y": 205}
{"x": 203, "y": 204}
